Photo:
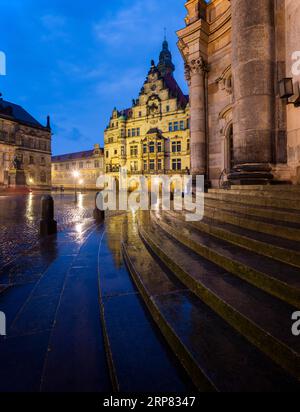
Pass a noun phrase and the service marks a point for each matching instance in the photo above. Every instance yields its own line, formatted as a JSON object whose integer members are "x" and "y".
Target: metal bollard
{"x": 99, "y": 215}
{"x": 48, "y": 226}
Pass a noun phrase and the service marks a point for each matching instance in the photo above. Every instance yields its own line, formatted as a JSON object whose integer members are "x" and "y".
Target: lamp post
{"x": 81, "y": 182}
{"x": 76, "y": 176}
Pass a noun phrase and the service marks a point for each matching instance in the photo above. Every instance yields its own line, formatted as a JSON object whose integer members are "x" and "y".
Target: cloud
{"x": 54, "y": 27}
{"x": 130, "y": 25}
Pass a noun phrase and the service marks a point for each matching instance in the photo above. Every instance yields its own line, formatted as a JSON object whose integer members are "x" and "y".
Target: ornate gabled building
{"x": 25, "y": 149}
{"x": 151, "y": 137}
{"x": 245, "y": 117}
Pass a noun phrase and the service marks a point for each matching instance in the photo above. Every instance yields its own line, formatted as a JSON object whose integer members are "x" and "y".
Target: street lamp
{"x": 76, "y": 175}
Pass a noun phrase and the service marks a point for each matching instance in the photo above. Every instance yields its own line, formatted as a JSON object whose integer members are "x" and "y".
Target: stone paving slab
{"x": 54, "y": 339}
{"x": 141, "y": 359}
{"x": 76, "y": 346}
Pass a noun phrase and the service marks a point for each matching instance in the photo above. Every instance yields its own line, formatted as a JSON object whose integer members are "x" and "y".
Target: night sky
{"x": 76, "y": 60}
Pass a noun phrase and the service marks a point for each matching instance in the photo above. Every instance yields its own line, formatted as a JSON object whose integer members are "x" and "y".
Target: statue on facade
{"x": 17, "y": 163}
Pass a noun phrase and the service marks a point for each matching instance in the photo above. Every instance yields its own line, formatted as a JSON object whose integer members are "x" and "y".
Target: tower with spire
{"x": 165, "y": 65}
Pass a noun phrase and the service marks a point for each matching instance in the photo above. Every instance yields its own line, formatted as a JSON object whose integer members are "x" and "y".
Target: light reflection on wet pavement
{"x": 20, "y": 217}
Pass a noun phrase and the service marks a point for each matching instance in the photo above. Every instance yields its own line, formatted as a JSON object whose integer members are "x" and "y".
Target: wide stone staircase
{"x": 223, "y": 290}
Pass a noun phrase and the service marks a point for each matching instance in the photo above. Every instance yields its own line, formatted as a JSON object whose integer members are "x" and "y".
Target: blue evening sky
{"x": 76, "y": 60}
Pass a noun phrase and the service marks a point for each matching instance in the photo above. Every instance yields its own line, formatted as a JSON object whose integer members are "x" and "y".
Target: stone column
{"x": 253, "y": 67}
{"x": 195, "y": 72}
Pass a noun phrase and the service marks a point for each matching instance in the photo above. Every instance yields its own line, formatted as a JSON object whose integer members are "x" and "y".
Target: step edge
{"x": 288, "y": 357}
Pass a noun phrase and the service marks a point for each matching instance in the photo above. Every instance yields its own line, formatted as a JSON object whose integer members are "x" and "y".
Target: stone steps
{"x": 268, "y": 188}
{"x": 254, "y": 199}
{"x": 282, "y": 215}
{"x": 262, "y": 319}
{"x": 281, "y": 193}
{"x": 232, "y": 228}
{"x": 213, "y": 353}
{"x": 285, "y": 230}
{"x": 280, "y": 280}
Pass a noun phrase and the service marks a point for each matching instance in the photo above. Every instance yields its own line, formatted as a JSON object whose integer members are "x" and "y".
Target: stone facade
{"x": 25, "y": 149}
{"x": 235, "y": 55}
{"x": 151, "y": 137}
{"x": 88, "y": 165}
{"x": 292, "y": 37}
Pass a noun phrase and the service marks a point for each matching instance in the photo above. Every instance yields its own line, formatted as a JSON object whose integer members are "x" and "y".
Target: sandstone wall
{"x": 292, "y": 17}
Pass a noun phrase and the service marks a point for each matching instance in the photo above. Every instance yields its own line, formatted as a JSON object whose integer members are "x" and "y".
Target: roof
{"x": 154, "y": 130}
{"x": 176, "y": 91}
{"x": 73, "y": 156}
{"x": 17, "y": 113}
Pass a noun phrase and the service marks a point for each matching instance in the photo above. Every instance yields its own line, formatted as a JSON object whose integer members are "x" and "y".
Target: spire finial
{"x": 165, "y": 33}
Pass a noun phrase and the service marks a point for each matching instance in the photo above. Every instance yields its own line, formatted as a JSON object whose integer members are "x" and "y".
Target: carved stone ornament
{"x": 197, "y": 66}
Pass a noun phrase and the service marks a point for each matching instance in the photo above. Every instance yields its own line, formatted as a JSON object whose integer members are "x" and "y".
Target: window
{"x": 159, "y": 147}
{"x": 167, "y": 109}
{"x": 133, "y": 151}
{"x": 107, "y": 154}
{"x": 116, "y": 152}
{"x": 138, "y": 131}
{"x": 176, "y": 147}
{"x": 122, "y": 151}
{"x": 176, "y": 164}
{"x": 152, "y": 164}
{"x": 56, "y": 167}
{"x": 31, "y": 160}
{"x": 134, "y": 166}
{"x": 144, "y": 148}
{"x": 133, "y": 133}
{"x": 188, "y": 146}
{"x": 129, "y": 133}
{"x": 43, "y": 162}
{"x": 80, "y": 165}
{"x": 140, "y": 114}
{"x": 159, "y": 164}
{"x": 170, "y": 127}
{"x": 152, "y": 147}
{"x": 175, "y": 126}
{"x": 188, "y": 123}
{"x": 96, "y": 164}
{"x": 145, "y": 165}
{"x": 67, "y": 166}
{"x": 43, "y": 177}
{"x": 181, "y": 125}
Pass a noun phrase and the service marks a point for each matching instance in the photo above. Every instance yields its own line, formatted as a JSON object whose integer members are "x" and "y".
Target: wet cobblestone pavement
{"x": 20, "y": 217}
{"x": 67, "y": 296}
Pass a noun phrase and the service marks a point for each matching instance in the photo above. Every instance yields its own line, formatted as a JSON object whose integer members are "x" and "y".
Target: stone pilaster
{"x": 195, "y": 75}
{"x": 253, "y": 67}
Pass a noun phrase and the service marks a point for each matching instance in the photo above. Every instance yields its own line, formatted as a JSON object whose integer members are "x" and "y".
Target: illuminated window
{"x": 152, "y": 164}
{"x": 176, "y": 164}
